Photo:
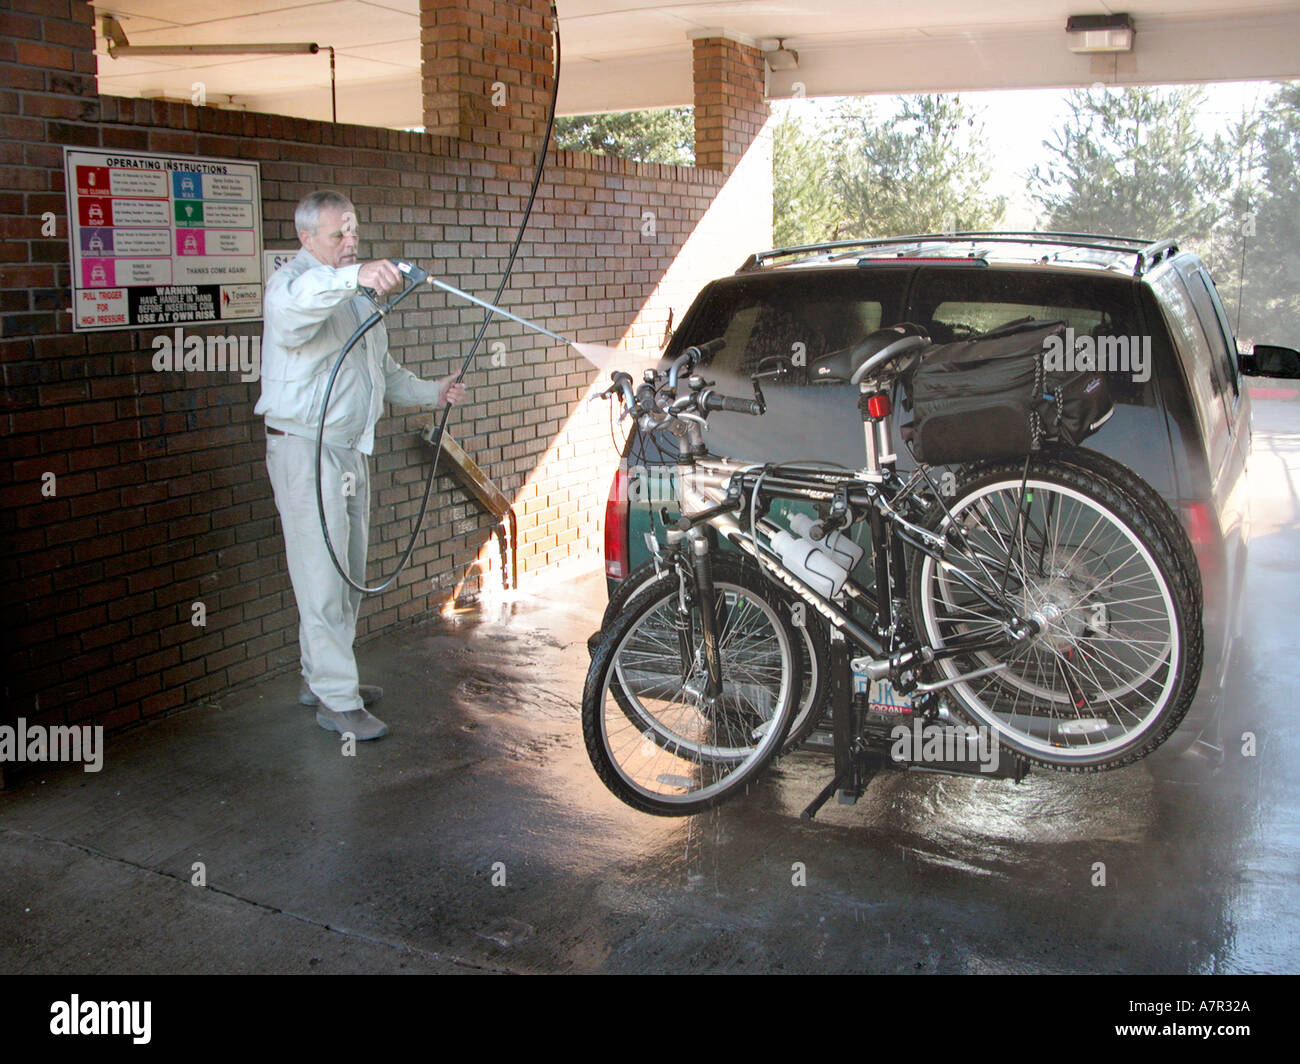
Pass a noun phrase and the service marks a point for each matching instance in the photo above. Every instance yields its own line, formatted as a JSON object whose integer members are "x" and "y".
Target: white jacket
{"x": 310, "y": 310}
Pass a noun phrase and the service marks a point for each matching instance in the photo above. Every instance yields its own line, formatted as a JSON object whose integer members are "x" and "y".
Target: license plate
{"x": 884, "y": 701}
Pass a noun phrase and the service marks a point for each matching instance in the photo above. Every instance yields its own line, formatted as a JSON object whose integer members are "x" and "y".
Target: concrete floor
{"x": 477, "y": 838}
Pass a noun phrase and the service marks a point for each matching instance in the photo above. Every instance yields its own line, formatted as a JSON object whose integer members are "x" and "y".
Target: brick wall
{"x": 161, "y": 498}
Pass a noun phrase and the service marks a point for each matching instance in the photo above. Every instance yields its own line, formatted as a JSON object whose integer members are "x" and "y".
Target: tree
{"x": 922, "y": 170}
{"x": 1132, "y": 162}
{"x": 804, "y": 208}
{"x": 1226, "y": 251}
{"x": 1273, "y": 259}
{"x": 659, "y": 136}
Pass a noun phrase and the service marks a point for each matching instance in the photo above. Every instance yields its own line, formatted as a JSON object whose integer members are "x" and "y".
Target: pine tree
{"x": 1228, "y": 253}
{"x": 665, "y": 135}
{"x": 922, "y": 170}
{"x": 1273, "y": 263}
{"x": 804, "y": 209}
{"x": 1131, "y": 162}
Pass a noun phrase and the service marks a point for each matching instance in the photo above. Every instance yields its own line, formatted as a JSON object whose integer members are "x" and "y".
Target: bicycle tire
{"x": 1143, "y": 494}
{"x": 653, "y": 739}
{"x": 1117, "y": 660}
{"x": 814, "y": 653}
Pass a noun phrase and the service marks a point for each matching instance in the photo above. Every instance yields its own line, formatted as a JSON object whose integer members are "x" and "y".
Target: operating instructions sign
{"x": 161, "y": 240}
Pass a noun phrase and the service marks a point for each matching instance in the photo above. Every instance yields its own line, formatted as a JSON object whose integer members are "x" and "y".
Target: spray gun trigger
{"x": 412, "y": 271}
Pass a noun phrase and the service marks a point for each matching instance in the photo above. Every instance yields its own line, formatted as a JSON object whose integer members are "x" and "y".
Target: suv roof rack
{"x": 1147, "y": 254}
{"x": 1155, "y": 253}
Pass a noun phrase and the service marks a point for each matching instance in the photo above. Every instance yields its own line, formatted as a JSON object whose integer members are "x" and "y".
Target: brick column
{"x": 729, "y": 105}
{"x": 47, "y": 99}
{"x": 486, "y": 68}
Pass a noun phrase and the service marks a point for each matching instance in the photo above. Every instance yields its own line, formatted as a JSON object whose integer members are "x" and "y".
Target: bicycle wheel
{"x": 1116, "y": 658}
{"x": 814, "y": 647}
{"x": 653, "y": 736}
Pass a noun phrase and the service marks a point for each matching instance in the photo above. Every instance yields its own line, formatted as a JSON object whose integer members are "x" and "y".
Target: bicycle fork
{"x": 703, "y": 565}
{"x": 705, "y": 597}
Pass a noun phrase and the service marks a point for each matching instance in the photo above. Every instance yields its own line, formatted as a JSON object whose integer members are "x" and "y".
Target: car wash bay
{"x": 477, "y": 838}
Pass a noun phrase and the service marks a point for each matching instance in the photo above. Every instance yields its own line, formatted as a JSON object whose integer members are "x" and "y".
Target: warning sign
{"x": 175, "y": 304}
{"x": 163, "y": 239}
{"x": 101, "y": 309}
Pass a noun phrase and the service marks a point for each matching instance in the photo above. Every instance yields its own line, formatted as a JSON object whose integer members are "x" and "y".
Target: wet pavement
{"x": 477, "y": 838}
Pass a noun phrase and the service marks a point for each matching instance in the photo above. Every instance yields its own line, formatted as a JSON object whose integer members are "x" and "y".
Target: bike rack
{"x": 859, "y": 757}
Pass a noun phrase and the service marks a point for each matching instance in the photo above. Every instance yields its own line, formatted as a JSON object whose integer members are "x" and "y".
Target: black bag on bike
{"x": 992, "y": 397}
{"x": 1075, "y": 404}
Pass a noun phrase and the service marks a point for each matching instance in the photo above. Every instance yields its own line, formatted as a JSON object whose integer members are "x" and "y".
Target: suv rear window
{"x": 958, "y": 304}
{"x": 763, "y": 316}
{"x": 958, "y": 321}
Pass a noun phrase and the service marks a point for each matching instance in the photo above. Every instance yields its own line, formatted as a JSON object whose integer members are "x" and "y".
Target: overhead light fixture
{"x": 118, "y": 45}
{"x": 782, "y": 58}
{"x": 1099, "y": 33}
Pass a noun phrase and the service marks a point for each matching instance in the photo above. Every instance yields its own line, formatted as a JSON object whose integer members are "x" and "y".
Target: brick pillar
{"x": 729, "y": 105}
{"x": 486, "y": 68}
{"x": 47, "y": 99}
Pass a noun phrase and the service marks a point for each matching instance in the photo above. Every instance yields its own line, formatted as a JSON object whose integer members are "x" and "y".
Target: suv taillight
{"x": 1202, "y": 530}
{"x": 616, "y": 553}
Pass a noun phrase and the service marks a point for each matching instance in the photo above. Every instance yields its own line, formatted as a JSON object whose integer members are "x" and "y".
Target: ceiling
{"x": 622, "y": 54}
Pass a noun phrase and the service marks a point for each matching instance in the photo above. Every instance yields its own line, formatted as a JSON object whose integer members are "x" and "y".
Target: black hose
{"x": 478, "y": 339}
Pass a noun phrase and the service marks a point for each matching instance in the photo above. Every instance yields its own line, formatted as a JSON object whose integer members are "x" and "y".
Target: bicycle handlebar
{"x": 692, "y": 357}
{"x": 659, "y": 399}
{"x": 734, "y": 404}
{"x": 622, "y": 386}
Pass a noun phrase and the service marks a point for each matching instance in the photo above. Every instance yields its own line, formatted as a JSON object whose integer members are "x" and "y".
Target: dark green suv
{"x": 1146, "y": 314}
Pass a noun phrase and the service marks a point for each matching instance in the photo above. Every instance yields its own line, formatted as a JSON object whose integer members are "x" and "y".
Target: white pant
{"x": 327, "y": 606}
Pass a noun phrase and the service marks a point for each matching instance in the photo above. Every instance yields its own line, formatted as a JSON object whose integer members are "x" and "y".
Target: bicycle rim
{"x": 813, "y": 655}
{"x": 669, "y": 745}
{"x": 1105, "y": 663}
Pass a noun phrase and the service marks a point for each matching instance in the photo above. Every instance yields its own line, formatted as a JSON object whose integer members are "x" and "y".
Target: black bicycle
{"x": 1050, "y": 599}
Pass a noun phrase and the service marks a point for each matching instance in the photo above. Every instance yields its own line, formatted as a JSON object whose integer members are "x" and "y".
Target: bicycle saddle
{"x": 847, "y": 366}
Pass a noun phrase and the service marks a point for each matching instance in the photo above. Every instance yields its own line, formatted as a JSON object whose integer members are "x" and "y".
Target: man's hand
{"x": 452, "y": 391}
{"x": 381, "y": 275}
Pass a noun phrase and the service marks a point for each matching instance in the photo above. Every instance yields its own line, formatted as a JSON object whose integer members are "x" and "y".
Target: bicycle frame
{"x": 706, "y": 483}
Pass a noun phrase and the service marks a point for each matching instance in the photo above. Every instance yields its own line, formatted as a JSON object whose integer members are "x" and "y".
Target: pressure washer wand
{"x": 504, "y": 313}
{"x": 600, "y": 356}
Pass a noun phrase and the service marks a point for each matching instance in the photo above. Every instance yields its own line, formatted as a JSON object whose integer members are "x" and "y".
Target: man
{"x": 312, "y": 306}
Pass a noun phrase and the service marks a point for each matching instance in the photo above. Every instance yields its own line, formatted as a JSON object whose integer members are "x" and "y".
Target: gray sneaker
{"x": 357, "y": 721}
{"x": 370, "y": 694}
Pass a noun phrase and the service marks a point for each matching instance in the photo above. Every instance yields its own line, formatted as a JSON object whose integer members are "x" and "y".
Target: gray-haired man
{"x": 312, "y": 306}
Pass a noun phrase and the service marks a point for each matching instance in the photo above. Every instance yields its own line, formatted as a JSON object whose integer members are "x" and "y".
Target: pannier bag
{"x": 993, "y": 397}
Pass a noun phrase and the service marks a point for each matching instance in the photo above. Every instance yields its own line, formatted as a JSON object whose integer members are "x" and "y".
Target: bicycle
{"x": 1051, "y": 599}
